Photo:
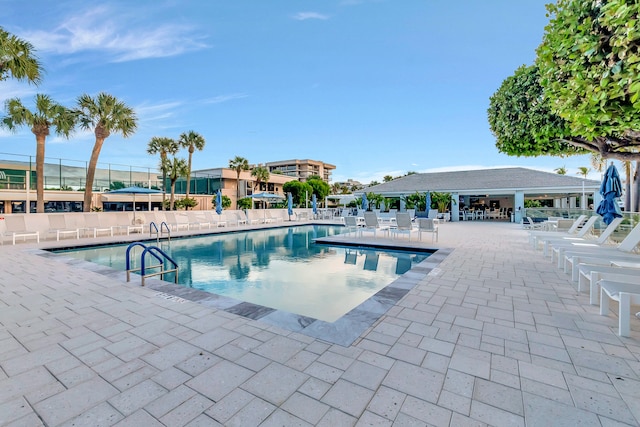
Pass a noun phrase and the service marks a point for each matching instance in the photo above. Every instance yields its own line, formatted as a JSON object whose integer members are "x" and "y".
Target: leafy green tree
{"x": 18, "y": 60}
{"x": 589, "y": 65}
{"x": 441, "y": 200}
{"x": 299, "y": 191}
{"x": 561, "y": 170}
{"x": 374, "y": 200}
{"x": 226, "y": 202}
{"x": 584, "y": 171}
{"x": 116, "y": 185}
{"x": 238, "y": 164}
{"x": 186, "y": 203}
{"x": 261, "y": 174}
{"x": 387, "y": 178}
{"x": 320, "y": 188}
{"x": 177, "y": 169}
{"x": 165, "y": 147}
{"x": 192, "y": 141}
{"x": 522, "y": 121}
{"x": 47, "y": 114}
{"x": 244, "y": 203}
{"x": 374, "y": 182}
{"x": 105, "y": 114}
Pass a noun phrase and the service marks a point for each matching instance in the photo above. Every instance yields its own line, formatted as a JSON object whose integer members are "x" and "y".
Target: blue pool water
{"x": 279, "y": 268}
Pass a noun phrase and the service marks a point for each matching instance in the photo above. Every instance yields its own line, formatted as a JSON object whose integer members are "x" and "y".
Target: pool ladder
{"x": 157, "y": 269}
{"x": 153, "y": 229}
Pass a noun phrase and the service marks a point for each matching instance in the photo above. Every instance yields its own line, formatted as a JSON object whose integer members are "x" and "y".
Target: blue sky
{"x": 375, "y": 87}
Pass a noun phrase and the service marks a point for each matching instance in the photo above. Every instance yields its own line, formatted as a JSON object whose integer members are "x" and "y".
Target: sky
{"x": 374, "y": 87}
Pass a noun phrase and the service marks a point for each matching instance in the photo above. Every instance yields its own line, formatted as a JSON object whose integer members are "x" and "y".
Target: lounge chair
{"x": 351, "y": 224}
{"x": 177, "y": 222}
{"x": 548, "y": 241}
{"x": 536, "y": 234}
{"x": 215, "y": 220}
{"x": 558, "y": 248}
{"x": 371, "y": 224}
{"x": 58, "y": 226}
{"x": 590, "y": 274}
{"x": 600, "y": 255}
{"x": 15, "y": 227}
{"x": 93, "y": 224}
{"x": 532, "y": 225}
{"x": 427, "y": 225}
{"x": 626, "y": 294}
{"x": 403, "y": 225}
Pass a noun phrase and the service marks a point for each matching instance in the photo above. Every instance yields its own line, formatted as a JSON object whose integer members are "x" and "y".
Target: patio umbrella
{"x": 427, "y": 201}
{"x": 289, "y": 205}
{"x": 135, "y": 190}
{"x": 219, "y": 202}
{"x": 267, "y": 197}
{"x": 365, "y": 202}
{"x": 314, "y": 204}
{"x": 611, "y": 189}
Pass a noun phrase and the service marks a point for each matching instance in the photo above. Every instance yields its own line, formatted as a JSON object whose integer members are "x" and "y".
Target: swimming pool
{"x": 280, "y": 268}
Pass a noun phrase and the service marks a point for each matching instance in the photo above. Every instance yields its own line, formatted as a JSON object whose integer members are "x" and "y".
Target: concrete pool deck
{"x": 494, "y": 335}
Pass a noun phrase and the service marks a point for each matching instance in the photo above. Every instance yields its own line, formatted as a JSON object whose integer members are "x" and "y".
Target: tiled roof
{"x": 482, "y": 179}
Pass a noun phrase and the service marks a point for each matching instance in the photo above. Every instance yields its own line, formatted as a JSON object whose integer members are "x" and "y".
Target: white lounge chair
{"x": 558, "y": 249}
{"x": 626, "y": 294}
{"x": 590, "y": 275}
{"x": 351, "y": 224}
{"x": 15, "y": 227}
{"x": 600, "y": 255}
{"x": 580, "y": 236}
{"x": 536, "y": 234}
{"x": 58, "y": 226}
{"x": 403, "y": 225}
{"x": 371, "y": 224}
{"x": 92, "y": 224}
{"x": 427, "y": 225}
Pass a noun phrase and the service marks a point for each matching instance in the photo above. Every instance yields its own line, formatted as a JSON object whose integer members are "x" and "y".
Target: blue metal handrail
{"x": 155, "y": 252}
{"x": 154, "y": 227}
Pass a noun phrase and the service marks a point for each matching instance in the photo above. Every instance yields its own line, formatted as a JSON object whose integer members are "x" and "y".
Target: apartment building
{"x": 302, "y": 169}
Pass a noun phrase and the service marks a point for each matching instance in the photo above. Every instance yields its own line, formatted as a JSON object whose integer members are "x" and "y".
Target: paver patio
{"x": 495, "y": 335}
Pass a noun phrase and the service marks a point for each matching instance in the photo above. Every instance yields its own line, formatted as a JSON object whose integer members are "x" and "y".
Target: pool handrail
{"x": 163, "y": 225}
{"x": 162, "y": 272}
{"x": 161, "y": 258}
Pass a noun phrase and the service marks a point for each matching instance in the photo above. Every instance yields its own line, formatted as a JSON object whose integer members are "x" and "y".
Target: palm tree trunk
{"x": 40, "y": 139}
{"x": 173, "y": 190}
{"x": 636, "y": 203}
{"x": 91, "y": 173}
{"x": 627, "y": 196}
{"x": 164, "y": 188}
{"x": 237, "y": 188}
{"x": 189, "y": 176}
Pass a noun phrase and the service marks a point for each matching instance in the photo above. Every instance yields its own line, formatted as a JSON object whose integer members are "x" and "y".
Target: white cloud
{"x": 224, "y": 98}
{"x": 303, "y": 16}
{"x": 14, "y": 89}
{"x": 96, "y": 30}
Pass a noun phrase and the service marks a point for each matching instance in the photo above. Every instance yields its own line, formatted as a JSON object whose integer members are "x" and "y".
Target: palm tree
{"x": 47, "y": 113}
{"x": 238, "y": 164}
{"x": 584, "y": 171}
{"x": 163, "y": 146}
{"x": 561, "y": 170}
{"x": 598, "y": 163}
{"x": 387, "y": 178}
{"x": 17, "y": 59}
{"x": 104, "y": 114}
{"x": 177, "y": 168}
{"x": 261, "y": 174}
{"x": 192, "y": 141}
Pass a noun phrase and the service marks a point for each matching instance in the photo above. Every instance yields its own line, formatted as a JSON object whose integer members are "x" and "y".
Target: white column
{"x": 455, "y": 207}
{"x": 518, "y": 206}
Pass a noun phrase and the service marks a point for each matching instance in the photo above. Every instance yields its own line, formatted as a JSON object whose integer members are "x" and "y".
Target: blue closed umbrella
{"x": 611, "y": 189}
{"x": 289, "y": 205}
{"x": 365, "y": 202}
{"x": 427, "y": 201}
{"x": 219, "y": 202}
{"x": 314, "y": 204}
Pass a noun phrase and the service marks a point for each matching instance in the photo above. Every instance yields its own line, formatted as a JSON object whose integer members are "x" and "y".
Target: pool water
{"x": 279, "y": 268}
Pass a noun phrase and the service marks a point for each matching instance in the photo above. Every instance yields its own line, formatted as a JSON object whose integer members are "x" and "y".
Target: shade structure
{"x": 427, "y": 201}
{"x": 289, "y": 205}
{"x": 365, "y": 202}
{"x": 611, "y": 190}
{"x": 267, "y": 197}
{"x": 219, "y": 202}
{"x": 135, "y": 190}
{"x": 314, "y": 204}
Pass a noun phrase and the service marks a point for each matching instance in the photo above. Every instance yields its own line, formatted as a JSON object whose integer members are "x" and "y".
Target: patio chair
{"x": 214, "y": 219}
{"x": 534, "y": 235}
{"x": 532, "y": 225}
{"x": 590, "y": 274}
{"x": 371, "y": 224}
{"x": 626, "y": 294}
{"x": 92, "y": 223}
{"x": 403, "y": 225}
{"x": 427, "y": 225}
{"x": 15, "y": 227}
{"x": 351, "y": 224}
{"x": 580, "y": 236}
{"x": 58, "y": 226}
{"x": 558, "y": 248}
